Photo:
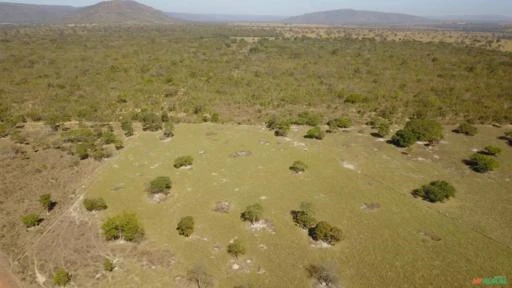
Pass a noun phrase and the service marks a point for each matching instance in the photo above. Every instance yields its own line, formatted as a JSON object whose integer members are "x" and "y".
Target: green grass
{"x": 381, "y": 248}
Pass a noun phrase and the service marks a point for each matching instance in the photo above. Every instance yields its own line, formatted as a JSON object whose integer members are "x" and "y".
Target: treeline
{"x": 57, "y": 74}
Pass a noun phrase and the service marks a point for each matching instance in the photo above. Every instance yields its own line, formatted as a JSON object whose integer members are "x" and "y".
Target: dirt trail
{"x": 7, "y": 278}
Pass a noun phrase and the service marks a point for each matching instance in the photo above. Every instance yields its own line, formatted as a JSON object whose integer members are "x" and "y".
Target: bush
{"x": 342, "y": 122}
{"x": 298, "y": 167}
{"x": 31, "y": 220}
{"x": 403, "y": 138}
{"x": 436, "y": 191}
{"x": 236, "y": 248}
{"x": 98, "y": 153}
{"x": 280, "y": 127}
{"x": 108, "y": 265}
{"x": 168, "y": 129}
{"x": 82, "y": 150}
{"x": 150, "y": 121}
{"x": 303, "y": 219}
{"x": 491, "y": 150}
{"x": 425, "y": 130}
{"x": 161, "y": 184}
{"x": 483, "y": 163}
{"x": 95, "y": 204}
{"x": 323, "y": 231}
{"x": 383, "y": 128}
{"x": 108, "y": 137}
{"x": 183, "y": 161}
{"x": 325, "y": 277}
{"x": 200, "y": 277}
{"x": 61, "y": 277}
{"x": 308, "y": 118}
{"x": 127, "y": 127}
{"x": 215, "y": 117}
{"x": 46, "y": 202}
{"x": 467, "y": 129}
{"x": 252, "y": 213}
{"x": 186, "y": 226}
{"x": 81, "y": 135}
{"x": 315, "y": 133}
{"x": 124, "y": 226}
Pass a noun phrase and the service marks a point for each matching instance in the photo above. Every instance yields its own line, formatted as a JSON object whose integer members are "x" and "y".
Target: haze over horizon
{"x": 296, "y": 7}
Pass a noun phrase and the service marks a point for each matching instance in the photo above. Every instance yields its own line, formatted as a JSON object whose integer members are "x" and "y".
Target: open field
{"x": 387, "y": 247}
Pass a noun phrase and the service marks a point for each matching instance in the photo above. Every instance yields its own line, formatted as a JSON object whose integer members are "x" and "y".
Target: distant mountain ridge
{"x": 358, "y": 17}
{"x": 477, "y": 18}
{"x": 17, "y": 13}
{"x": 225, "y": 18}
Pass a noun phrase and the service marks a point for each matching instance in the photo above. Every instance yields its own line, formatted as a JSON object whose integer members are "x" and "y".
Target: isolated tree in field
{"x": 252, "y": 213}
{"x": 298, "y": 167}
{"x": 31, "y": 220}
{"x": 323, "y": 231}
{"x": 483, "y": 163}
{"x": 425, "y": 130}
{"x": 186, "y": 226}
{"x": 125, "y": 226}
{"x": 403, "y": 138}
{"x": 183, "y": 161}
{"x": 61, "y": 277}
{"x": 436, "y": 191}
{"x": 47, "y": 202}
{"x": 95, "y": 204}
{"x": 236, "y": 248}
{"x": 161, "y": 184}
{"x": 491, "y": 150}
{"x": 467, "y": 129}
{"x": 315, "y": 133}
{"x": 200, "y": 277}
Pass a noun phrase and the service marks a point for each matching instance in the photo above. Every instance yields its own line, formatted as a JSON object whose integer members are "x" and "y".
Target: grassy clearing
{"x": 391, "y": 246}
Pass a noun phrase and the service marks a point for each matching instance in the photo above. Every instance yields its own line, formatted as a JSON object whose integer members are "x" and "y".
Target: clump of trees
{"x": 323, "y": 231}
{"x": 61, "y": 277}
{"x": 95, "y": 204}
{"x": 467, "y": 129}
{"x": 315, "y": 133}
{"x": 236, "y": 248}
{"x": 252, "y": 213}
{"x": 31, "y": 220}
{"x": 186, "y": 226}
{"x": 161, "y": 184}
{"x": 436, "y": 191}
{"x": 125, "y": 226}
{"x": 418, "y": 130}
{"x": 298, "y": 167}
{"x": 183, "y": 161}
{"x": 483, "y": 163}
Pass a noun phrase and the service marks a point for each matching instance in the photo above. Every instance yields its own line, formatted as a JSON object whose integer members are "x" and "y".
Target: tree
{"x": 186, "y": 226}
{"x": 323, "y": 231}
{"x": 31, "y": 220}
{"x": 236, "y": 248}
{"x": 304, "y": 217}
{"x": 200, "y": 277}
{"x": 483, "y": 163}
{"x": 95, "y": 204}
{"x": 46, "y": 202}
{"x": 161, "y": 184}
{"x": 252, "y": 213}
{"x": 61, "y": 277}
{"x": 125, "y": 226}
{"x": 467, "y": 129}
{"x": 425, "y": 130}
{"x": 183, "y": 161}
{"x": 315, "y": 133}
{"x": 403, "y": 138}
{"x": 436, "y": 191}
{"x": 298, "y": 167}
{"x": 491, "y": 150}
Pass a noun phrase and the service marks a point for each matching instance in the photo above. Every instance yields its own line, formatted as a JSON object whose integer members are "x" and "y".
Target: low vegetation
{"x": 125, "y": 226}
{"x": 186, "y": 226}
{"x": 436, "y": 191}
{"x": 61, "y": 277}
{"x": 95, "y": 204}
{"x": 183, "y": 161}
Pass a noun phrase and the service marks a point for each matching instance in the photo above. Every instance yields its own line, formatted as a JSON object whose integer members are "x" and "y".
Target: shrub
{"x": 98, "y": 153}
{"x": 108, "y": 265}
{"x": 325, "y": 277}
{"x": 61, "y": 277}
{"x": 118, "y": 144}
{"x": 483, "y": 163}
{"x": 31, "y": 220}
{"x": 467, "y": 129}
{"x": 323, "y": 231}
{"x": 403, "y": 138}
{"x": 82, "y": 150}
{"x": 280, "y": 127}
{"x": 491, "y": 150}
{"x": 108, "y": 137}
{"x": 124, "y": 226}
{"x": 186, "y": 226}
{"x": 127, "y": 127}
{"x": 436, "y": 191}
{"x": 303, "y": 219}
{"x": 81, "y": 135}
{"x": 383, "y": 128}
{"x": 215, "y": 117}
{"x": 315, "y": 133}
{"x": 168, "y": 129}
{"x": 150, "y": 121}
{"x": 298, "y": 167}
{"x": 236, "y": 248}
{"x": 46, "y": 202}
{"x": 425, "y": 130}
{"x": 200, "y": 277}
{"x": 161, "y": 184}
{"x": 95, "y": 204}
{"x": 252, "y": 213}
{"x": 183, "y": 161}
{"x": 342, "y": 122}
{"x": 308, "y": 118}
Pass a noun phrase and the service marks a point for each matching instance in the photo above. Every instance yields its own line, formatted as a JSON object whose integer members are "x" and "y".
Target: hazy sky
{"x": 294, "y": 7}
